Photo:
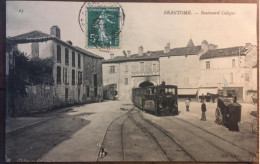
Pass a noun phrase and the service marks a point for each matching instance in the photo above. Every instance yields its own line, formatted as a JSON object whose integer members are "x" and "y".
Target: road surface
{"x": 118, "y": 131}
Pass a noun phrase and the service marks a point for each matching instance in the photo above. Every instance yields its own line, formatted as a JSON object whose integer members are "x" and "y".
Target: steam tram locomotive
{"x": 160, "y": 100}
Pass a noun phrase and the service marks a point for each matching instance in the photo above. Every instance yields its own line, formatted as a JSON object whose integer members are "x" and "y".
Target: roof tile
{"x": 224, "y": 52}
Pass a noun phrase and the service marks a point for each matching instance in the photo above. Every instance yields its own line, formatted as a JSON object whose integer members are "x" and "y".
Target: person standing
{"x": 187, "y": 103}
{"x": 234, "y": 98}
{"x": 203, "y": 109}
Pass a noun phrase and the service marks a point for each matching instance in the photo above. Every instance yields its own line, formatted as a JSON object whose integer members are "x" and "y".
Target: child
{"x": 187, "y": 102}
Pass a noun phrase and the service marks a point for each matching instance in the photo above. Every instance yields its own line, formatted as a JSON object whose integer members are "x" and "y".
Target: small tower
{"x": 190, "y": 43}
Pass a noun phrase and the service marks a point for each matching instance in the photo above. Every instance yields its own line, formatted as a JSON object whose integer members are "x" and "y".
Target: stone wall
{"x": 43, "y": 97}
{"x": 182, "y": 71}
{"x": 129, "y": 75}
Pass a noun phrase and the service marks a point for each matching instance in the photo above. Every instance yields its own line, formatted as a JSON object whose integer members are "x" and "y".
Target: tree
{"x": 26, "y": 72}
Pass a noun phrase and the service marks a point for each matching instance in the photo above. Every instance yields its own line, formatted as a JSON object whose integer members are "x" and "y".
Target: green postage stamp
{"x": 103, "y": 27}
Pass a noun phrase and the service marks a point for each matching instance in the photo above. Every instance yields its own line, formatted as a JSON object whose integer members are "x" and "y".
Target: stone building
{"x": 180, "y": 66}
{"x": 196, "y": 70}
{"x": 131, "y": 71}
{"x": 77, "y": 73}
{"x": 229, "y": 71}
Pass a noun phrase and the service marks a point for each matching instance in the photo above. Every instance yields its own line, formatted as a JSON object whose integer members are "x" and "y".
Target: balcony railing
{"x": 147, "y": 73}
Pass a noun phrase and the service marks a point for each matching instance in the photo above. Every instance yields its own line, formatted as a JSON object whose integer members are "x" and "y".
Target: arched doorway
{"x": 145, "y": 84}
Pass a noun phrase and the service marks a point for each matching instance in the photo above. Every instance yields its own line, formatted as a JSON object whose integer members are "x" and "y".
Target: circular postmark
{"x": 101, "y": 23}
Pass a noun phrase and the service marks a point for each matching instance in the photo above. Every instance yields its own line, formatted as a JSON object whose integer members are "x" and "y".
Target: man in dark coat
{"x": 203, "y": 109}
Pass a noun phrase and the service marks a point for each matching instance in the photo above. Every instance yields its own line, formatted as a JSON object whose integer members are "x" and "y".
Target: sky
{"x": 145, "y": 24}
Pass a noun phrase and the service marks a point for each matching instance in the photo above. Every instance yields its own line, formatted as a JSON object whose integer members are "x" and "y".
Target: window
{"x": 63, "y": 75}
{"x": 66, "y": 56}
{"x": 79, "y": 78}
{"x": 66, "y": 76}
{"x": 95, "y": 85}
{"x": 66, "y": 94}
{"x": 58, "y": 74}
{"x": 233, "y": 63}
{"x": 126, "y": 81}
{"x": 207, "y": 64}
{"x": 79, "y": 61}
{"x": 112, "y": 69}
{"x": 87, "y": 91}
{"x": 73, "y": 77}
{"x": 73, "y": 59}
{"x": 142, "y": 66}
{"x": 58, "y": 54}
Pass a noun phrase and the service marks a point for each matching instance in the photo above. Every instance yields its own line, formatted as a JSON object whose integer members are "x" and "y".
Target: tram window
{"x": 150, "y": 91}
{"x": 162, "y": 91}
{"x": 153, "y": 90}
{"x": 173, "y": 91}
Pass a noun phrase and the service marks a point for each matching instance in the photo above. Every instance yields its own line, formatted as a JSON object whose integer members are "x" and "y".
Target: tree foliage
{"x": 26, "y": 72}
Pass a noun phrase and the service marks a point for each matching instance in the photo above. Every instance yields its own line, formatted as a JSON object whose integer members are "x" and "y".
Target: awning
{"x": 187, "y": 91}
{"x": 208, "y": 90}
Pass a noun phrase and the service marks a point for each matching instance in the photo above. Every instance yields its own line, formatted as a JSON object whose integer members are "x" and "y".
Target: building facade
{"x": 230, "y": 71}
{"x": 131, "y": 71}
{"x": 77, "y": 73}
{"x": 196, "y": 70}
{"x": 180, "y": 66}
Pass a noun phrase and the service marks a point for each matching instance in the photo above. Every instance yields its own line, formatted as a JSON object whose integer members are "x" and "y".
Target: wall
{"x": 250, "y": 75}
{"x": 134, "y": 74}
{"x": 182, "y": 71}
{"x": 45, "y": 96}
{"x": 59, "y": 89}
{"x": 40, "y": 98}
{"x": 92, "y": 66}
{"x": 220, "y": 72}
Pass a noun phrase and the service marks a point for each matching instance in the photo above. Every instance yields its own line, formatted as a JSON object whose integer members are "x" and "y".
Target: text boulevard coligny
{"x": 189, "y": 12}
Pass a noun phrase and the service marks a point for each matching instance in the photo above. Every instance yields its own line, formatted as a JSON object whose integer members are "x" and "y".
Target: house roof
{"x": 150, "y": 55}
{"x": 224, "y": 52}
{"x": 182, "y": 51}
{"x": 33, "y": 36}
{"x": 155, "y": 55}
{"x": 38, "y": 36}
{"x": 87, "y": 52}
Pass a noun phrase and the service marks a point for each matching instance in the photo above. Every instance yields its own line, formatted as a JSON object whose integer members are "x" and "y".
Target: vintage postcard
{"x": 131, "y": 81}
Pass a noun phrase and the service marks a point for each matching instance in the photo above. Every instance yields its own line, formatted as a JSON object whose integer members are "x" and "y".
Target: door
{"x": 66, "y": 94}
{"x": 95, "y": 85}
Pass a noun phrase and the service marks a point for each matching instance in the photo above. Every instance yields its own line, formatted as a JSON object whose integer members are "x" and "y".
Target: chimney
{"x": 69, "y": 42}
{"x": 35, "y": 50}
{"x": 248, "y": 45}
{"x": 125, "y": 54}
{"x": 111, "y": 56}
{"x": 55, "y": 31}
{"x": 140, "y": 51}
{"x": 204, "y": 46}
{"x": 212, "y": 46}
{"x": 128, "y": 53}
{"x": 167, "y": 48}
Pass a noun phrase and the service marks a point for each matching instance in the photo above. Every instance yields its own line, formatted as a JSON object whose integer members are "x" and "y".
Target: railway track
{"x": 168, "y": 146}
{"x": 174, "y": 138}
{"x": 113, "y": 136}
{"x": 218, "y": 148}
